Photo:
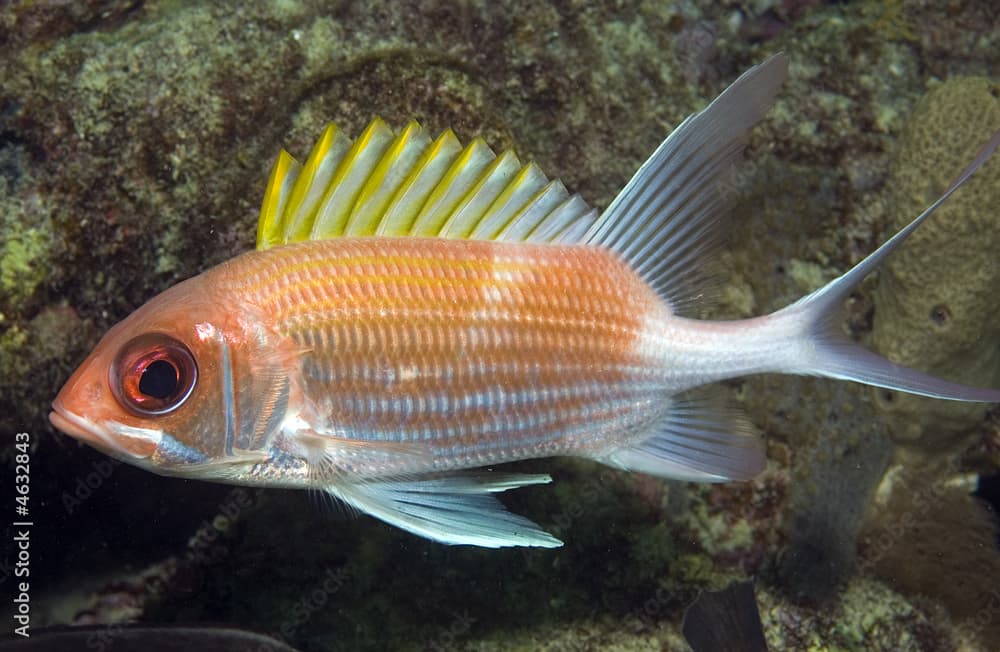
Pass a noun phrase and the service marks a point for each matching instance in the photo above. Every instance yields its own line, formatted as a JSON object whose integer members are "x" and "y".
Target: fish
{"x": 128, "y": 637}
{"x": 417, "y": 312}
{"x": 727, "y": 620}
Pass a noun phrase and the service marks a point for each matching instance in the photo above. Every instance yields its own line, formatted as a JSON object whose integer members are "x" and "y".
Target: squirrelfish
{"x": 417, "y": 310}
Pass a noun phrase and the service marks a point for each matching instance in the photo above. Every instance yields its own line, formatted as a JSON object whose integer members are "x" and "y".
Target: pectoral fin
{"x": 452, "y": 509}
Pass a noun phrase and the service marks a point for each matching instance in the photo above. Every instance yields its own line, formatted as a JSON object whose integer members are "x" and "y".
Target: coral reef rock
{"x": 936, "y": 307}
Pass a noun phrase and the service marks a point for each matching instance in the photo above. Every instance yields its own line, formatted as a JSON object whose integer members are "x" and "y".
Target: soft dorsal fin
{"x": 397, "y": 184}
{"x": 669, "y": 217}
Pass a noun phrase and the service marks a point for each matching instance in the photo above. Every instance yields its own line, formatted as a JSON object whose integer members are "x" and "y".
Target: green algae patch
{"x": 868, "y": 616}
{"x": 25, "y": 234}
{"x": 12, "y": 341}
{"x": 22, "y": 262}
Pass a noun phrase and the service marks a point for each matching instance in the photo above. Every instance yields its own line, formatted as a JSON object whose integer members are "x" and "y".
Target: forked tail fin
{"x": 829, "y": 353}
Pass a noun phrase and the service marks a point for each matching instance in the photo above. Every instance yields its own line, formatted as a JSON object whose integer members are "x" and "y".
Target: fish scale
{"x": 403, "y": 334}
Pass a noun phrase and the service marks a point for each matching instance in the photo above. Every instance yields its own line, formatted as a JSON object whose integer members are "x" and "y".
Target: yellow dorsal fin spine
{"x": 315, "y": 177}
{"x": 481, "y": 196}
{"x": 414, "y": 191}
{"x": 546, "y": 200}
{"x": 347, "y": 182}
{"x": 525, "y": 186}
{"x": 568, "y": 223}
{"x": 454, "y": 186}
{"x": 270, "y": 230}
{"x": 405, "y": 184}
{"x": 387, "y": 177}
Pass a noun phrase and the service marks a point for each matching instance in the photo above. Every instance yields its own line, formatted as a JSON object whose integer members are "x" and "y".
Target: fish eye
{"x": 153, "y": 374}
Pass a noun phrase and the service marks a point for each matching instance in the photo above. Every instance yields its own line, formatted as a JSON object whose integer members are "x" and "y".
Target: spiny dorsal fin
{"x": 398, "y": 184}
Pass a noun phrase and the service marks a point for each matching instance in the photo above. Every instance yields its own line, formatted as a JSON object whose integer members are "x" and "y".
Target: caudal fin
{"x": 833, "y": 355}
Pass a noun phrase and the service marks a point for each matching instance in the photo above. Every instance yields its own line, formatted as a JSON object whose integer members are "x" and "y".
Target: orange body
{"x": 481, "y": 351}
{"x": 456, "y": 353}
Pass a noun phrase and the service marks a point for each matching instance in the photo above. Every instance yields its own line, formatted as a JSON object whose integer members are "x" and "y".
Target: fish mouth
{"x": 121, "y": 441}
{"x": 83, "y": 429}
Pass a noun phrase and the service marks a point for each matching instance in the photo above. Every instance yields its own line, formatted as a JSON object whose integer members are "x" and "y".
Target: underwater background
{"x": 135, "y": 143}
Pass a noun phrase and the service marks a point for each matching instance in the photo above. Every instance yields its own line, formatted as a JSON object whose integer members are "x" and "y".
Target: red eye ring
{"x": 153, "y": 374}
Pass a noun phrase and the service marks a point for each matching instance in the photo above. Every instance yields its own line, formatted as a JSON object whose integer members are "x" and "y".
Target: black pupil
{"x": 159, "y": 379}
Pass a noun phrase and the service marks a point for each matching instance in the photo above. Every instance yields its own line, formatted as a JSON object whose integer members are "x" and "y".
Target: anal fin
{"x": 454, "y": 509}
{"x": 701, "y": 438}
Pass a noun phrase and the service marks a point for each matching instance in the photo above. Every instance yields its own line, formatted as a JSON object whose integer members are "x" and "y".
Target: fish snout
{"x": 71, "y": 417}
{"x": 77, "y": 426}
